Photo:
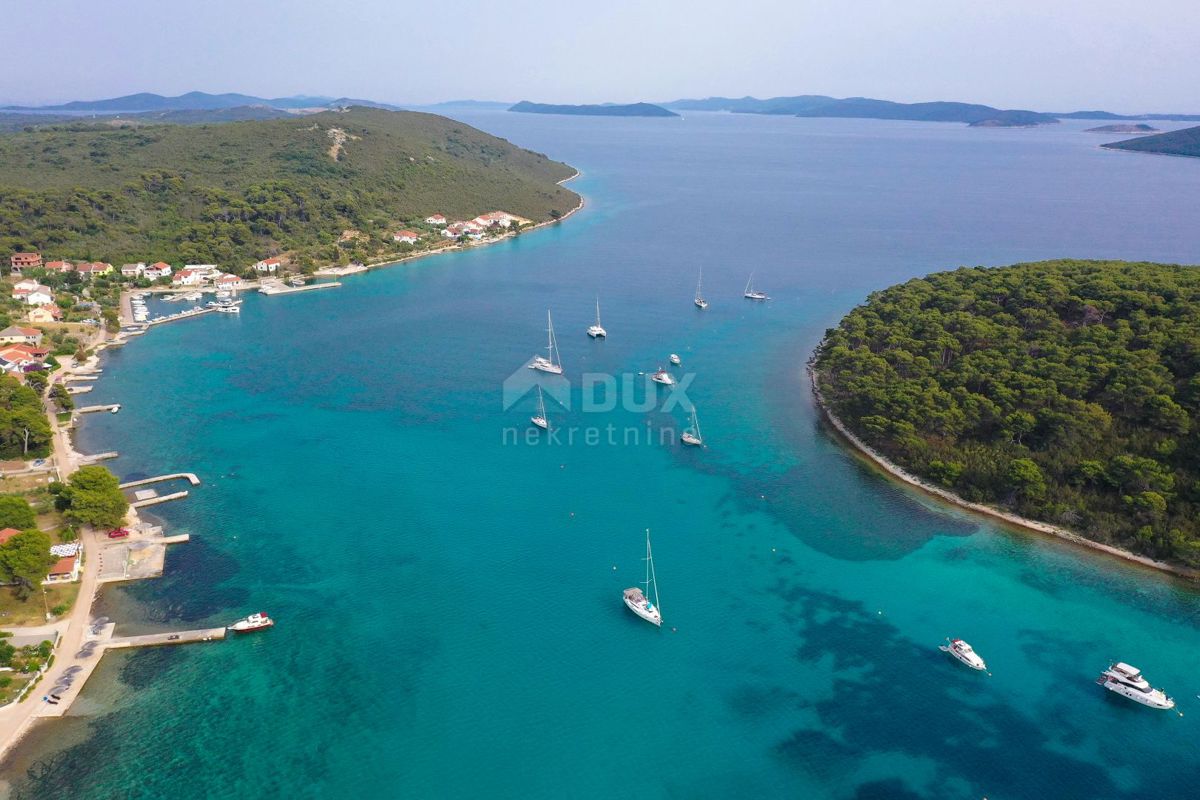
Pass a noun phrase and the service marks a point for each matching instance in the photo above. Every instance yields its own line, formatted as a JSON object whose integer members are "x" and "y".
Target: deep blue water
{"x": 450, "y": 622}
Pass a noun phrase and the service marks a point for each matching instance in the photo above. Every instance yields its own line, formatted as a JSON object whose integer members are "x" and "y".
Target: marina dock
{"x": 113, "y": 407}
{"x": 162, "y": 498}
{"x": 98, "y": 457}
{"x": 192, "y": 312}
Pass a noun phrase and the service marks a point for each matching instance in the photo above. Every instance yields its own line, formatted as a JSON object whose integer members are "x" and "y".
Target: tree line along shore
{"x": 1064, "y": 392}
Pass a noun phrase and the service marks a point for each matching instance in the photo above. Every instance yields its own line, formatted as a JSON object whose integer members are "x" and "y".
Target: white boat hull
{"x": 596, "y": 332}
{"x": 1155, "y": 698}
{"x": 970, "y": 659}
{"x": 540, "y": 422}
{"x": 701, "y": 304}
{"x": 665, "y": 380}
{"x": 645, "y": 611}
{"x": 545, "y": 365}
{"x": 689, "y": 439}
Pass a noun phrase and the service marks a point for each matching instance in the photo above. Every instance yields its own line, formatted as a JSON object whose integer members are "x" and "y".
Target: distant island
{"x": 1061, "y": 391}
{"x": 1184, "y": 142}
{"x": 605, "y": 110}
{"x": 1140, "y": 127}
{"x": 328, "y": 187}
{"x": 976, "y": 115}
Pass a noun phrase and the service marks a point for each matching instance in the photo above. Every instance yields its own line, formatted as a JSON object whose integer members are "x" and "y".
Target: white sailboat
{"x": 636, "y": 599}
{"x": 701, "y": 303}
{"x": 751, "y": 293}
{"x": 691, "y": 436}
{"x": 540, "y": 418}
{"x": 551, "y": 362}
{"x": 597, "y": 331}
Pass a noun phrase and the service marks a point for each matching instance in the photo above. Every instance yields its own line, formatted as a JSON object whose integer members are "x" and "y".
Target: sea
{"x": 448, "y": 586}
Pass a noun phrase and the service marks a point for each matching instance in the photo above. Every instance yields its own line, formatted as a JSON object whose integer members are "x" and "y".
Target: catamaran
{"x": 692, "y": 435}
{"x": 701, "y": 303}
{"x": 597, "y": 331}
{"x": 540, "y": 418}
{"x": 751, "y": 293}
{"x": 551, "y": 362}
{"x": 636, "y": 599}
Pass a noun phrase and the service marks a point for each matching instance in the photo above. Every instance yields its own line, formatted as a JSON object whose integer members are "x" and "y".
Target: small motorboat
{"x": 663, "y": 377}
{"x": 254, "y": 622}
{"x": 675, "y": 359}
{"x": 964, "y": 653}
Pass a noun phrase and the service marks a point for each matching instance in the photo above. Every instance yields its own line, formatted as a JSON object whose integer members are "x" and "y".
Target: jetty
{"x": 190, "y": 477}
{"x": 160, "y": 498}
{"x": 79, "y": 389}
{"x": 191, "y": 312}
{"x": 98, "y": 457}
{"x": 155, "y": 639}
{"x": 273, "y": 289}
{"x": 112, "y": 408}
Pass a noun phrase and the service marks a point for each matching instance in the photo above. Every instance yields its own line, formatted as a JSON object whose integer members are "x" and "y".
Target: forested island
{"x": 1064, "y": 391}
{"x": 323, "y": 188}
{"x": 1126, "y": 127}
{"x": 1184, "y": 142}
{"x": 605, "y": 110}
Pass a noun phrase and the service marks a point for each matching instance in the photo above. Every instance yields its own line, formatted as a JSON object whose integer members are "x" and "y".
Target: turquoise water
{"x": 450, "y": 622}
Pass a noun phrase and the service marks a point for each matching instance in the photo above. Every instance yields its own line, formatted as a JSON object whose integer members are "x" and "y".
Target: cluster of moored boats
{"x": 1120, "y": 678}
{"x": 551, "y": 363}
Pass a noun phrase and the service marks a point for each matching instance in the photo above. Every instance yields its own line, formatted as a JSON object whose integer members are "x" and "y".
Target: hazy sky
{"x": 1051, "y": 55}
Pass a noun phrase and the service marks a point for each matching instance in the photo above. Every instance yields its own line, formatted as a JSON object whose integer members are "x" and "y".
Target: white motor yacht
{"x": 675, "y": 359}
{"x": 1127, "y": 681}
{"x": 663, "y": 377}
{"x": 964, "y": 653}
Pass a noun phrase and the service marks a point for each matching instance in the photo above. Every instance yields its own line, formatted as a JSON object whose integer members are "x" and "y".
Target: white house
{"x": 228, "y": 282}
{"x": 406, "y": 237}
{"x": 187, "y": 277}
{"x": 435, "y": 219}
{"x": 14, "y": 334}
{"x": 133, "y": 270}
{"x": 34, "y": 295}
{"x": 205, "y": 271}
{"x": 457, "y": 229}
{"x": 268, "y": 265}
{"x": 157, "y": 270}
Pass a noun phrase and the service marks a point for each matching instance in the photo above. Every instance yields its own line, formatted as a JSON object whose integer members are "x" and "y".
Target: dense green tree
{"x": 95, "y": 498}
{"x": 1066, "y": 390}
{"x": 24, "y": 560}
{"x": 15, "y": 512}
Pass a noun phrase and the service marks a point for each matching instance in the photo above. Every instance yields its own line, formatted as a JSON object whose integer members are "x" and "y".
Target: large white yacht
{"x": 964, "y": 653}
{"x": 1127, "y": 681}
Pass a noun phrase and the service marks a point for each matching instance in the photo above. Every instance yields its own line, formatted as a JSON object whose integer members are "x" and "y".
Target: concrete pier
{"x": 153, "y": 501}
{"x": 93, "y": 409}
{"x": 92, "y": 459}
{"x": 79, "y": 389}
{"x": 155, "y": 639}
{"x": 190, "y": 477}
{"x": 274, "y": 289}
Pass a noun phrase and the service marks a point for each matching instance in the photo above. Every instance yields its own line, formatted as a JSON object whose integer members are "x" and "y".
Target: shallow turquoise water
{"x": 449, "y": 609}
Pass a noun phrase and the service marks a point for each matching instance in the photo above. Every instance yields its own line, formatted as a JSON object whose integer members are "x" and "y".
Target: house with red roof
{"x": 406, "y": 237}
{"x": 159, "y": 269}
{"x": 187, "y": 277}
{"x": 7, "y": 534}
{"x": 65, "y": 570}
{"x": 89, "y": 269}
{"x": 46, "y": 313}
{"x": 14, "y": 334}
{"x": 228, "y": 282}
{"x": 59, "y": 266}
{"x": 268, "y": 265}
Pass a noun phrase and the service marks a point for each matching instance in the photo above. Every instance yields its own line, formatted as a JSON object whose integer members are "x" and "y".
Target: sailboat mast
{"x": 597, "y": 312}
{"x": 650, "y": 571}
{"x": 551, "y": 347}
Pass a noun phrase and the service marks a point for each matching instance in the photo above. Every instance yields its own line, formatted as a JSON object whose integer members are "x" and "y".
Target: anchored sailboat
{"x": 751, "y": 293}
{"x": 636, "y": 599}
{"x": 597, "y": 331}
{"x": 692, "y": 435}
{"x": 551, "y": 362}
{"x": 701, "y": 303}
{"x": 540, "y": 418}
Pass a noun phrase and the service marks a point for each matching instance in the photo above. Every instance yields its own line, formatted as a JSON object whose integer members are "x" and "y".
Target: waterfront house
{"x": 20, "y": 358}
{"x": 406, "y": 237}
{"x": 46, "y": 313}
{"x": 498, "y": 218}
{"x": 22, "y": 261}
{"x": 268, "y": 265}
{"x": 205, "y": 271}
{"x": 59, "y": 266}
{"x": 457, "y": 229}
{"x": 17, "y": 335}
{"x": 228, "y": 282}
{"x": 65, "y": 570}
{"x": 157, "y": 270}
{"x": 187, "y": 277}
{"x": 435, "y": 219}
{"x": 133, "y": 270}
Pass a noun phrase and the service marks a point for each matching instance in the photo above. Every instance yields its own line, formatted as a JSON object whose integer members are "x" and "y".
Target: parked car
{"x": 118, "y": 533}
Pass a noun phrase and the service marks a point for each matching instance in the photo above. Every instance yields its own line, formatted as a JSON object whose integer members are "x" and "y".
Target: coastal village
{"x": 67, "y": 525}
